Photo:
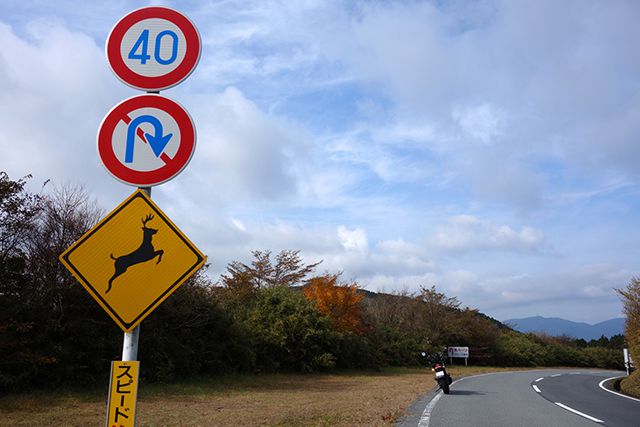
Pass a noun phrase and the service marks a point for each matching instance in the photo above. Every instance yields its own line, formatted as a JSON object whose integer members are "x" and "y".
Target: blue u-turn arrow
{"x": 157, "y": 142}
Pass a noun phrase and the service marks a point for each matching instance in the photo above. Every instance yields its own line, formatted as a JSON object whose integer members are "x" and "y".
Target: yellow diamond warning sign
{"x": 132, "y": 260}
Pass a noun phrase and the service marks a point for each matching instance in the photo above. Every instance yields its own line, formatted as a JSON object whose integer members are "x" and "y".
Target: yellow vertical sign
{"x": 123, "y": 394}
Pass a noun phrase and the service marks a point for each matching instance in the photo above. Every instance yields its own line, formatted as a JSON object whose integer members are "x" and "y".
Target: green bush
{"x": 52, "y": 331}
{"x": 353, "y": 351}
{"x": 189, "y": 334}
{"x": 394, "y": 347}
{"x": 606, "y": 358}
{"x": 288, "y": 332}
{"x": 515, "y": 349}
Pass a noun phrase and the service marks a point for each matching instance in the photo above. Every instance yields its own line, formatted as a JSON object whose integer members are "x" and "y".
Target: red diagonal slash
{"x": 140, "y": 133}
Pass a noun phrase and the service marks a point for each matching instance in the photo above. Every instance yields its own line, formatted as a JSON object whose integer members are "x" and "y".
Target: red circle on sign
{"x": 171, "y": 77}
{"x": 172, "y": 165}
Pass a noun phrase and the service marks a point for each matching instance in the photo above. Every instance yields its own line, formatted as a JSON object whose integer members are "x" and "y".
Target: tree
{"x": 394, "y": 326}
{"x": 242, "y": 282}
{"x": 438, "y": 311}
{"x": 469, "y": 328}
{"x": 400, "y": 310}
{"x": 18, "y": 212}
{"x": 289, "y": 332}
{"x": 191, "y": 334}
{"x": 341, "y": 302}
{"x": 66, "y": 214}
{"x": 616, "y": 342}
{"x": 262, "y": 273}
{"x": 631, "y": 302}
{"x": 18, "y": 217}
{"x": 49, "y": 320}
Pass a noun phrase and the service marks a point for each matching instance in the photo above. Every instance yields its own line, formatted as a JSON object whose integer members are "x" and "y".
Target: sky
{"x": 489, "y": 148}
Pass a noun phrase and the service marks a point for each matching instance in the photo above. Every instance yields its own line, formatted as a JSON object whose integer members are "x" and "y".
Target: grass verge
{"x": 343, "y": 399}
{"x": 631, "y": 384}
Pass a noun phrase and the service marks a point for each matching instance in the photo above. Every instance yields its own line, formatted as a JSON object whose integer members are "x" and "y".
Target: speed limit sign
{"x": 153, "y": 48}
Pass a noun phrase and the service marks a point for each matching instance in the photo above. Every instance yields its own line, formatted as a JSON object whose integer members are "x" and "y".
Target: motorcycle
{"x": 443, "y": 379}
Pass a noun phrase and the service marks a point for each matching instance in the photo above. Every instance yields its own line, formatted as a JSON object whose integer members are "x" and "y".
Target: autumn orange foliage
{"x": 340, "y": 302}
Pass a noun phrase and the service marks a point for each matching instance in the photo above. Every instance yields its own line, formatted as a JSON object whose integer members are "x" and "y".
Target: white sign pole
{"x": 130, "y": 341}
{"x": 183, "y": 57}
{"x": 625, "y": 352}
{"x": 130, "y": 345}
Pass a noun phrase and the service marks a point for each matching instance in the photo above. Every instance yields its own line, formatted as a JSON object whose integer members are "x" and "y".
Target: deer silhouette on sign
{"x": 144, "y": 253}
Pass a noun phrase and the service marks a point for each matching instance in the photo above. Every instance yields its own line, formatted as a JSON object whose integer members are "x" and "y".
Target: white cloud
{"x": 460, "y": 282}
{"x": 394, "y": 283}
{"x": 54, "y": 89}
{"x": 483, "y": 122}
{"x": 468, "y": 66}
{"x": 353, "y": 240}
{"x": 467, "y": 233}
{"x": 548, "y": 292}
{"x": 243, "y": 153}
{"x": 497, "y": 177}
{"x": 238, "y": 224}
{"x": 352, "y": 131}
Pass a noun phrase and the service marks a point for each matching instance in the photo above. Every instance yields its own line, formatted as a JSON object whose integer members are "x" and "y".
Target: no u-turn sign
{"x": 146, "y": 140}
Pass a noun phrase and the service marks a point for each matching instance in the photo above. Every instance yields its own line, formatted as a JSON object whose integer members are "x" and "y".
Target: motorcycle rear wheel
{"x": 445, "y": 388}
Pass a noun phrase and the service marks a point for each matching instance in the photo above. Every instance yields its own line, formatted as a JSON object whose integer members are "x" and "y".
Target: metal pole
{"x": 130, "y": 345}
{"x": 130, "y": 341}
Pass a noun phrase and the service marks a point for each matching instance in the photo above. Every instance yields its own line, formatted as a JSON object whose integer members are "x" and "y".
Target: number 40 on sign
{"x": 153, "y": 48}
{"x": 140, "y": 48}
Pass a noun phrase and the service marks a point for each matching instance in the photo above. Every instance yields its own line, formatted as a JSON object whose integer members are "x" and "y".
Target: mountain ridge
{"x": 557, "y": 326}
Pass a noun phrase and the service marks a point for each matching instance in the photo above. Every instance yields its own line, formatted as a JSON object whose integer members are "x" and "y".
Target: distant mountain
{"x": 556, "y": 327}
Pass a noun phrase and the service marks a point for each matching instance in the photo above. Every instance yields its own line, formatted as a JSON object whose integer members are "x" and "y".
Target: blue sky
{"x": 489, "y": 148}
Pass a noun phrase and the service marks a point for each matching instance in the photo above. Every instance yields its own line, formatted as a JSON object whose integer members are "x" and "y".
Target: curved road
{"x": 563, "y": 398}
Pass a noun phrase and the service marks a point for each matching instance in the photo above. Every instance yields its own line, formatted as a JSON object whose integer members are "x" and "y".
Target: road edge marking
{"x": 582, "y": 414}
{"x": 425, "y": 418}
{"x": 615, "y": 392}
{"x": 426, "y": 414}
{"x": 535, "y": 387}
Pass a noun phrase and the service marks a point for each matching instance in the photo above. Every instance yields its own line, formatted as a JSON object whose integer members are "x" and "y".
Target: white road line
{"x": 555, "y": 375}
{"x": 426, "y": 415}
{"x": 611, "y": 391}
{"x": 582, "y": 414}
{"x": 539, "y": 379}
{"x": 535, "y": 387}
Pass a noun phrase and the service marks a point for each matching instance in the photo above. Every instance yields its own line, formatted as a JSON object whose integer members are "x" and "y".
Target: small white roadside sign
{"x": 461, "y": 352}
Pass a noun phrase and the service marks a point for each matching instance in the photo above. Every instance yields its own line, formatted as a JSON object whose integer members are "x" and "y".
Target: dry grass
{"x": 631, "y": 385}
{"x": 349, "y": 399}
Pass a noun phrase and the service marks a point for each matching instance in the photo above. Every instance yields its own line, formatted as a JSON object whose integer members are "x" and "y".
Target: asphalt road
{"x": 563, "y": 398}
